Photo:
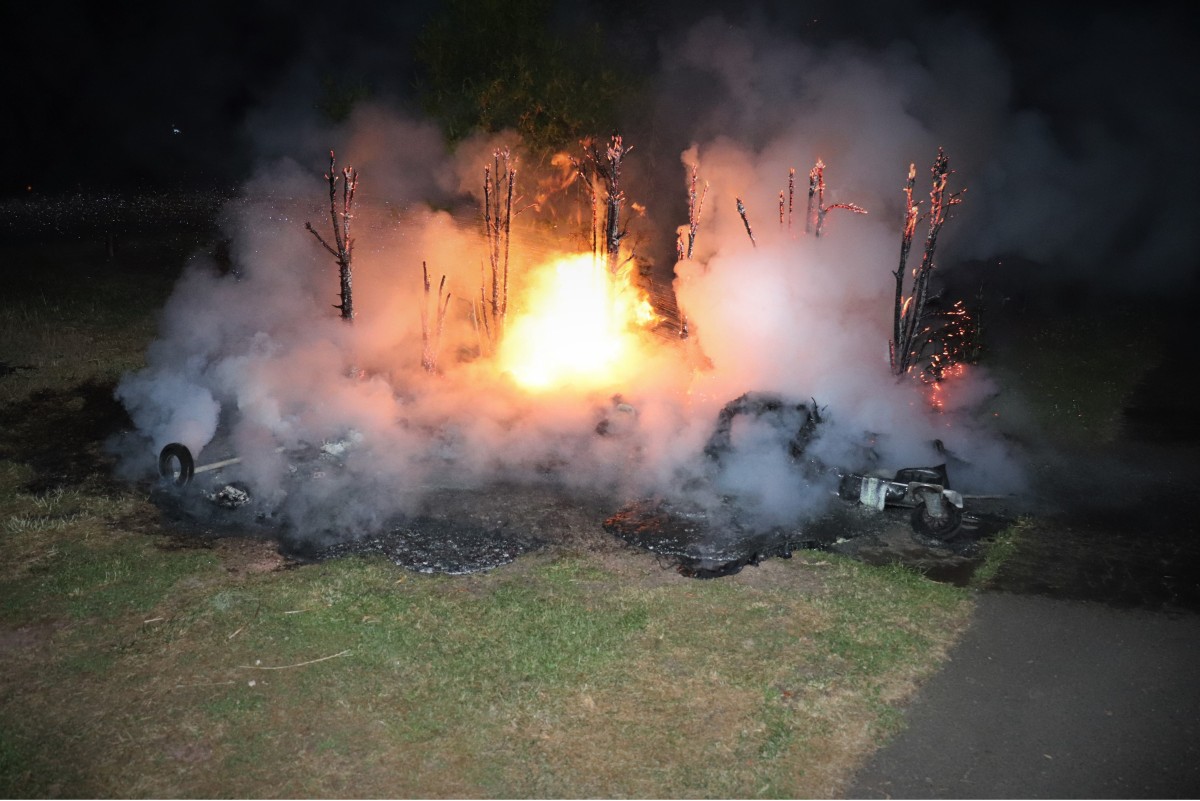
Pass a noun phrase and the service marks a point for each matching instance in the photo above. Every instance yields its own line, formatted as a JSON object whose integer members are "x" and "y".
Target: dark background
{"x": 132, "y": 94}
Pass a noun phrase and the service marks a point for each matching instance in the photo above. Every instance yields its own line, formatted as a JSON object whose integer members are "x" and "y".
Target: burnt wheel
{"x": 946, "y": 528}
{"x": 175, "y": 464}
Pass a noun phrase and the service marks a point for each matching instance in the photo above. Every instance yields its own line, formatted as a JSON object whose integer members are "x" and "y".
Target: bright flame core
{"x": 577, "y": 326}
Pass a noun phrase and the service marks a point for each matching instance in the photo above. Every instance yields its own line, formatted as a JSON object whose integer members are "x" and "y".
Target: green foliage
{"x": 488, "y": 65}
{"x": 339, "y": 97}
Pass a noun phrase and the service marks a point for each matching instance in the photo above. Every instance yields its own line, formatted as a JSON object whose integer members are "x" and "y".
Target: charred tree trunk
{"x": 343, "y": 246}
{"x": 499, "y": 179}
{"x": 791, "y": 195}
{"x": 815, "y": 175}
{"x": 695, "y": 206}
{"x": 605, "y": 166}
{"x": 911, "y": 214}
{"x": 430, "y": 339}
{"x": 911, "y": 324}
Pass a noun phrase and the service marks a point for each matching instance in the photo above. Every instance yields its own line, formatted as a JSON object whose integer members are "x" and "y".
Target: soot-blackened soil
{"x": 454, "y": 531}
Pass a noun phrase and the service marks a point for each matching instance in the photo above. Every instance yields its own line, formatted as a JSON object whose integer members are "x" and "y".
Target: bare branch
{"x": 343, "y": 245}
{"x": 499, "y": 180}
{"x": 741, "y": 207}
{"x": 605, "y": 165}
{"x": 431, "y": 339}
{"x": 912, "y": 329}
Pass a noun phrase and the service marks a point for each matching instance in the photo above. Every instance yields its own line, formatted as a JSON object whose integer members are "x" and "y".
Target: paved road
{"x": 1048, "y": 698}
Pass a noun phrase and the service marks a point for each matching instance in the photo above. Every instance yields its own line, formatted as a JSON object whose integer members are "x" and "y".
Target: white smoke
{"x": 256, "y": 360}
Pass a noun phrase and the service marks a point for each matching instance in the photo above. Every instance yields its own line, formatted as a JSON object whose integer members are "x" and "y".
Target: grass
{"x": 999, "y": 551}
{"x": 137, "y": 665}
{"x": 70, "y": 315}
{"x": 1076, "y": 372}
{"x": 556, "y": 676}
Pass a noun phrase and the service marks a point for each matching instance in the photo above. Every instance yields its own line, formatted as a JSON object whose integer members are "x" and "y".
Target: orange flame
{"x": 938, "y": 389}
{"x": 578, "y": 326}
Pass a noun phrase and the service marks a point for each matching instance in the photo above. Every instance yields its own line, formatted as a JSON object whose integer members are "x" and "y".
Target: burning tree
{"x": 695, "y": 206}
{"x": 343, "y": 247}
{"x": 604, "y": 167}
{"x": 499, "y": 179}
{"x": 791, "y": 198}
{"x": 814, "y": 221}
{"x": 916, "y": 327}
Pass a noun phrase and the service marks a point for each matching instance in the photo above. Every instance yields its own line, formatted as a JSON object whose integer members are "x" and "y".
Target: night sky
{"x": 129, "y": 93}
{"x": 132, "y": 94}
{"x": 172, "y": 95}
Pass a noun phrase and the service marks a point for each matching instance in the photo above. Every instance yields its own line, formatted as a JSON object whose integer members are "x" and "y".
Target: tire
{"x": 176, "y": 453}
{"x": 945, "y": 529}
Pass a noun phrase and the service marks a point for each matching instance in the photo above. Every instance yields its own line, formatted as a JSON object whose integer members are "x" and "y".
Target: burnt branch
{"x": 741, "y": 207}
{"x": 431, "y": 338}
{"x": 817, "y": 210}
{"x": 603, "y": 166}
{"x": 791, "y": 195}
{"x": 815, "y": 176}
{"x": 911, "y": 215}
{"x": 499, "y": 180}
{"x": 914, "y": 328}
{"x": 695, "y": 206}
{"x": 343, "y": 247}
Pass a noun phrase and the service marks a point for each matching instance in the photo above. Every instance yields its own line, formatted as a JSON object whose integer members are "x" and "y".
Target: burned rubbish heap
{"x": 708, "y": 530}
{"x": 207, "y": 500}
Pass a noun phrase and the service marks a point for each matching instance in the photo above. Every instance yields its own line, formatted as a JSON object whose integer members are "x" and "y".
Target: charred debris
{"x": 929, "y": 339}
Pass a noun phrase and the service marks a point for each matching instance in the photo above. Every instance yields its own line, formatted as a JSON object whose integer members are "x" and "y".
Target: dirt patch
{"x": 237, "y": 554}
{"x": 190, "y": 753}
{"x": 61, "y": 433}
{"x": 249, "y": 556}
{"x": 25, "y": 639}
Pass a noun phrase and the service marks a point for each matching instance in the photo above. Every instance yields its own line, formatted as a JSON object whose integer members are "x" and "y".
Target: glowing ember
{"x": 577, "y": 325}
{"x": 937, "y": 388}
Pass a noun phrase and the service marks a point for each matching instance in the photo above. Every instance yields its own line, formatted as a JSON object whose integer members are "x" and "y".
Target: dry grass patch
{"x": 133, "y": 667}
{"x": 527, "y": 681}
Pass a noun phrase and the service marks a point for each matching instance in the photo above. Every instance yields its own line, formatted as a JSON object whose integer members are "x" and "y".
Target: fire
{"x": 937, "y": 388}
{"x": 577, "y": 326}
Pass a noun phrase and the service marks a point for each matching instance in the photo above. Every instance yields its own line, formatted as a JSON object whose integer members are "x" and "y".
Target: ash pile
{"x": 703, "y": 543}
{"x": 703, "y": 533}
{"x": 456, "y": 531}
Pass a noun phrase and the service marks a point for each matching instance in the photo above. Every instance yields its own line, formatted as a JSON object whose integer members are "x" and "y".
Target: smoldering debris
{"x": 700, "y": 543}
{"x": 437, "y": 388}
{"x": 430, "y": 545}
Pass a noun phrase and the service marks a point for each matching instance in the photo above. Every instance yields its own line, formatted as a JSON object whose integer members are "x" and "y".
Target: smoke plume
{"x": 253, "y": 360}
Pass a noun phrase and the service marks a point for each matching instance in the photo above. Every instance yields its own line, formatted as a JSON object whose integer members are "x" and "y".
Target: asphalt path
{"x": 1048, "y": 698}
